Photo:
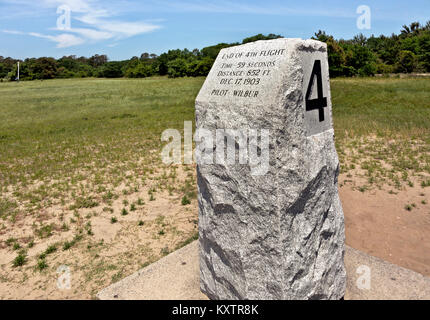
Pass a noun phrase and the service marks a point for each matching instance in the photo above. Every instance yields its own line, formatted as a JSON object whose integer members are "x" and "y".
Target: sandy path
{"x": 377, "y": 222}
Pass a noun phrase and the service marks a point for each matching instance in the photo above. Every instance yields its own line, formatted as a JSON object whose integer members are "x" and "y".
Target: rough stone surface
{"x": 279, "y": 235}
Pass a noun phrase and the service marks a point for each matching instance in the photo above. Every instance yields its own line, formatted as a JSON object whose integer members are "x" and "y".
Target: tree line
{"x": 406, "y": 52}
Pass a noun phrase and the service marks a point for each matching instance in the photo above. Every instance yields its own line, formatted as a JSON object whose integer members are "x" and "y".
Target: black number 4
{"x": 319, "y": 103}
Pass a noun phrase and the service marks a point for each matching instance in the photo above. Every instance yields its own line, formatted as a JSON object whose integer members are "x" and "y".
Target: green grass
{"x": 69, "y": 244}
{"x": 382, "y": 127}
{"x": 41, "y": 265}
{"x": 381, "y": 106}
{"x": 51, "y": 249}
{"x": 72, "y": 141}
{"x": 185, "y": 201}
{"x": 62, "y": 132}
{"x": 20, "y": 259}
{"x": 45, "y": 231}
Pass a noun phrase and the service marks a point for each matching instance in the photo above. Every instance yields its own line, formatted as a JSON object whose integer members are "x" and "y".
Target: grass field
{"x": 79, "y": 160}
{"x": 383, "y": 130}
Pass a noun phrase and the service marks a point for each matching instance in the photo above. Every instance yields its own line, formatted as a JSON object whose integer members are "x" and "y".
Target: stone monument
{"x": 271, "y": 224}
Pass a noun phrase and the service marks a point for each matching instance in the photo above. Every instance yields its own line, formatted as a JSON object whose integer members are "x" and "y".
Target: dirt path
{"x": 380, "y": 224}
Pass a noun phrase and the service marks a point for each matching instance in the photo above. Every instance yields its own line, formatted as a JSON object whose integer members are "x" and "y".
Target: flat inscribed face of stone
{"x": 255, "y": 75}
{"x": 245, "y": 74}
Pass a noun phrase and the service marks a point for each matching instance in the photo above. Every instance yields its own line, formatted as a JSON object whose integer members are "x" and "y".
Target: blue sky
{"x": 125, "y": 28}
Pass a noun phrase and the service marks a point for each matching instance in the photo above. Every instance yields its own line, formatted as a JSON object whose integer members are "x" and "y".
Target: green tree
{"x": 3, "y": 71}
{"x": 213, "y": 51}
{"x": 336, "y": 54}
{"x": 44, "y": 68}
{"x": 407, "y": 51}
{"x": 362, "y": 59}
{"x": 260, "y": 36}
{"x": 424, "y": 50}
{"x": 98, "y": 60}
{"x": 406, "y": 61}
{"x": 141, "y": 70}
{"x": 177, "y": 68}
{"x": 200, "y": 68}
{"x": 111, "y": 70}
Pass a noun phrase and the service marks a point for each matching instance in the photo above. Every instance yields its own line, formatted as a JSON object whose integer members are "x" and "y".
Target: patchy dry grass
{"x": 82, "y": 183}
{"x": 383, "y": 131}
{"x": 80, "y": 172}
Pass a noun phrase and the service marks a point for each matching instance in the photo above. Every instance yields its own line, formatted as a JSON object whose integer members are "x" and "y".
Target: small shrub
{"x": 10, "y": 241}
{"x": 124, "y": 212}
{"x": 425, "y": 184}
{"x": 108, "y": 196}
{"x": 51, "y": 249}
{"x": 185, "y": 201}
{"x": 88, "y": 228}
{"x": 113, "y": 220}
{"x": 67, "y": 245}
{"x": 31, "y": 244}
{"x": 41, "y": 264}
{"x": 45, "y": 231}
{"x": 362, "y": 189}
{"x": 408, "y": 207}
{"x": 20, "y": 260}
{"x": 84, "y": 203}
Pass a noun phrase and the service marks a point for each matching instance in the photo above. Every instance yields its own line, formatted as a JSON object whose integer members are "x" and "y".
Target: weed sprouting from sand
{"x": 185, "y": 201}
{"x": 20, "y": 260}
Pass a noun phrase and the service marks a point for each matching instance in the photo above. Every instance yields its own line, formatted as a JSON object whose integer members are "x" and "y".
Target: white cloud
{"x": 95, "y": 19}
{"x": 117, "y": 29}
{"x": 13, "y": 32}
{"x": 91, "y": 34}
{"x": 63, "y": 40}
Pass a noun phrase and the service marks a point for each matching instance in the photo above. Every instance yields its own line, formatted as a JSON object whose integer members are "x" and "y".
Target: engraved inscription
{"x": 240, "y": 70}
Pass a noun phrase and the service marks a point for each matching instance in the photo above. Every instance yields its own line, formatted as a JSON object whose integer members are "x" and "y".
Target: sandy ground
{"x": 110, "y": 252}
{"x": 376, "y": 223}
